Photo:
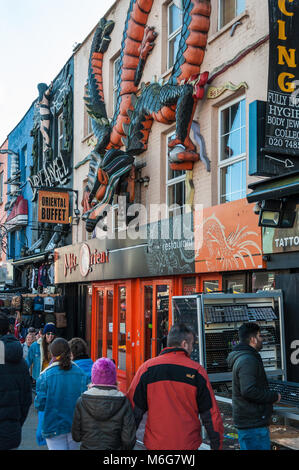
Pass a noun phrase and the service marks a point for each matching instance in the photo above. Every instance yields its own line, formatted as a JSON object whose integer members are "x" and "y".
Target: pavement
{"x": 29, "y": 430}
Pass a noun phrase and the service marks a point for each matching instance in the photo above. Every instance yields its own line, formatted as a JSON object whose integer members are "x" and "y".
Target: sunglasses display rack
{"x": 216, "y": 319}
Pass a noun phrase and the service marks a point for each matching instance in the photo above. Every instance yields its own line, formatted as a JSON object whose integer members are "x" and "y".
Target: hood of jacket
{"x": 102, "y": 402}
{"x": 240, "y": 350}
{"x": 13, "y": 349}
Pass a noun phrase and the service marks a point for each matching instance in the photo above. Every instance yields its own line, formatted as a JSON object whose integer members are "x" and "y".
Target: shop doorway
{"x": 109, "y": 326}
{"x": 156, "y": 308}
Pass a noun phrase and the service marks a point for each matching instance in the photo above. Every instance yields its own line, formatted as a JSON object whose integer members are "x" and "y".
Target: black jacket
{"x": 104, "y": 420}
{"x": 251, "y": 396}
{"x": 15, "y": 393}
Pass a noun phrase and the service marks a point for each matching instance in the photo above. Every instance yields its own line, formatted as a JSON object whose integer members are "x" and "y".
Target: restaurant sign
{"x": 53, "y": 207}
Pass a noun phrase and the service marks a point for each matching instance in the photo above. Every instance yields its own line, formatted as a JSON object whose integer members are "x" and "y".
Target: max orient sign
{"x": 53, "y": 207}
{"x": 282, "y": 115}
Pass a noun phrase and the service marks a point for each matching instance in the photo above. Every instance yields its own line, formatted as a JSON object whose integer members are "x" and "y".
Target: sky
{"x": 36, "y": 40}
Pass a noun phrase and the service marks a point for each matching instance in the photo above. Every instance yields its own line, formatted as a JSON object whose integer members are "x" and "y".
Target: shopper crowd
{"x": 80, "y": 406}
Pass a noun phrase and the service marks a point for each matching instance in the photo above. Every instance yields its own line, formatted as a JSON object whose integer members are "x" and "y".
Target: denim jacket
{"x": 57, "y": 392}
{"x": 35, "y": 358}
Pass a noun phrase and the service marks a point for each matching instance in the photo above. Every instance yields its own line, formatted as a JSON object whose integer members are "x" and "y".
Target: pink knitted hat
{"x": 103, "y": 372}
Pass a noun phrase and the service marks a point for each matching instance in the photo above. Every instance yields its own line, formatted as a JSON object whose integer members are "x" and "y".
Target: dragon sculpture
{"x": 112, "y": 168}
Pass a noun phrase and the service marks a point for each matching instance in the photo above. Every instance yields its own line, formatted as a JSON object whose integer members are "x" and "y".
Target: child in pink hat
{"x": 103, "y": 418}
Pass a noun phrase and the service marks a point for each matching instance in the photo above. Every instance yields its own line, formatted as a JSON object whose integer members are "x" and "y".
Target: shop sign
{"x": 232, "y": 240}
{"x": 53, "y": 207}
{"x": 279, "y": 240}
{"x": 85, "y": 260}
{"x": 53, "y": 173}
{"x": 282, "y": 110}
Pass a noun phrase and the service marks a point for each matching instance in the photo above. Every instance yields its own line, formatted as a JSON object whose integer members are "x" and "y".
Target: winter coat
{"x": 35, "y": 357}
{"x": 104, "y": 420}
{"x": 57, "y": 392}
{"x": 85, "y": 363}
{"x": 15, "y": 392}
{"x": 174, "y": 390}
{"x": 251, "y": 397}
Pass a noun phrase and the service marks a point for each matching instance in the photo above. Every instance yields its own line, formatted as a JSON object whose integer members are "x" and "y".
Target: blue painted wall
{"x": 20, "y": 142}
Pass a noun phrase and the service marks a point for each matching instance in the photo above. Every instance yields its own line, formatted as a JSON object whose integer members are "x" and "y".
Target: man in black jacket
{"x": 15, "y": 388}
{"x": 252, "y": 399}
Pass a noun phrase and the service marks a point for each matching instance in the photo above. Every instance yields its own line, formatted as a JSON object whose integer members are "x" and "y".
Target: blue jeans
{"x": 254, "y": 439}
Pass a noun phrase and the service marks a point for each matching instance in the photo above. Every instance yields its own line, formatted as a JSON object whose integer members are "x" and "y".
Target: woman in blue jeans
{"x": 57, "y": 390}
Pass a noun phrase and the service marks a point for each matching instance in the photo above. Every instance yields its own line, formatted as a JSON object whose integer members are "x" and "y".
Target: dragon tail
{"x": 129, "y": 60}
{"x": 194, "y": 35}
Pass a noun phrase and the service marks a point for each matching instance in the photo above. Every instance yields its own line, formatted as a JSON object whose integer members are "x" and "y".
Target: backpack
{"x": 50, "y": 318}
{"x": 16, "y": 302}
{"x": 27, "y": 321}
{"x": 38, "y": 304}
{"x": 27, "y": 306}
{"x": 38, "y": 321}
{"x": 49, "y": 304}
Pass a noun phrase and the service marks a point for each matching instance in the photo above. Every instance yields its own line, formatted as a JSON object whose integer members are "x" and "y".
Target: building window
{"x": 87, "y": 118}
{"x": 1, "y": 186}
{"x": 228, "y": 10}
{"x": 23, "y": 163}
{"x": 175, "y": 19}
{"x": 232, "y": 151}
{"x": 60, "y": 128}
{"x": 116, "y": 71}
{"x": 175, "y": 187}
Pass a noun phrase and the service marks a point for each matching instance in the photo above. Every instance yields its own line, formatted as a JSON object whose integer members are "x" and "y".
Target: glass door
{"x": 156, "y": 312}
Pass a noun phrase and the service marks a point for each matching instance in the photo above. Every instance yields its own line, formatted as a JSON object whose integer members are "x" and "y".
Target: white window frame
{"x": 229, "y": 161}
{"x": 173, "y": 181}
{"x": 220, "y": 2}
{"x": 171, "y": 35}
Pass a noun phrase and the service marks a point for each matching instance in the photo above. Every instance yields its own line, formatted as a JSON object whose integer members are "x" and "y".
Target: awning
{"x": 30, "y": 259}
{"x": 275, "y": 188}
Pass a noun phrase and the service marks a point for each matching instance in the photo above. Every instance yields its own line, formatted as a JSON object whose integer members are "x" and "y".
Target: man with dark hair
{"x": 252, "y": 399}
{"x": 15, "y": 388}
{"x": 174, "y": 391}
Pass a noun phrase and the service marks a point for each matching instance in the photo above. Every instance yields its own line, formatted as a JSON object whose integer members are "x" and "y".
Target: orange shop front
{"x": 132, "y": 281}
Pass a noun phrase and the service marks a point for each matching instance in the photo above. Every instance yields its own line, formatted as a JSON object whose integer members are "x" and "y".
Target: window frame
{"x": 114, "y": 82}
{"x": 172, "y": 35}
{"x": 219, "y": 19}
{"x": 1, "y": 186}
{"x": 232, "y": 160}
{"x": 173, "y": 181}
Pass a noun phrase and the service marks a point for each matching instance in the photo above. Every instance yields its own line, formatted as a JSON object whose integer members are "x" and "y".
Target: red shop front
{"x": 132, "y": 283}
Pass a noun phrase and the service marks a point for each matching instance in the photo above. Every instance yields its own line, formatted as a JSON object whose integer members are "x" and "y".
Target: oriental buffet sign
{"x": 53, "y": 207}
{"x": 85, "y": 261}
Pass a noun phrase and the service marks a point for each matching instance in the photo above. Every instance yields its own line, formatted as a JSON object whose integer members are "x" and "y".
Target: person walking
{"x": 57, "y": 390}
{"x": 39, "y": 354}
{"x": 174, "y": 390}
{"x": 29, "y": 340}
{"x": 15, "y": 388}
{"x": 252, "y": 399}
{"x": 79, "y": 355}
{"x": 103, "y": 418}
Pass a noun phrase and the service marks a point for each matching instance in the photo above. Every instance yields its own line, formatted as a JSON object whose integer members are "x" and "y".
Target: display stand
{"x": 216, "y": 318}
